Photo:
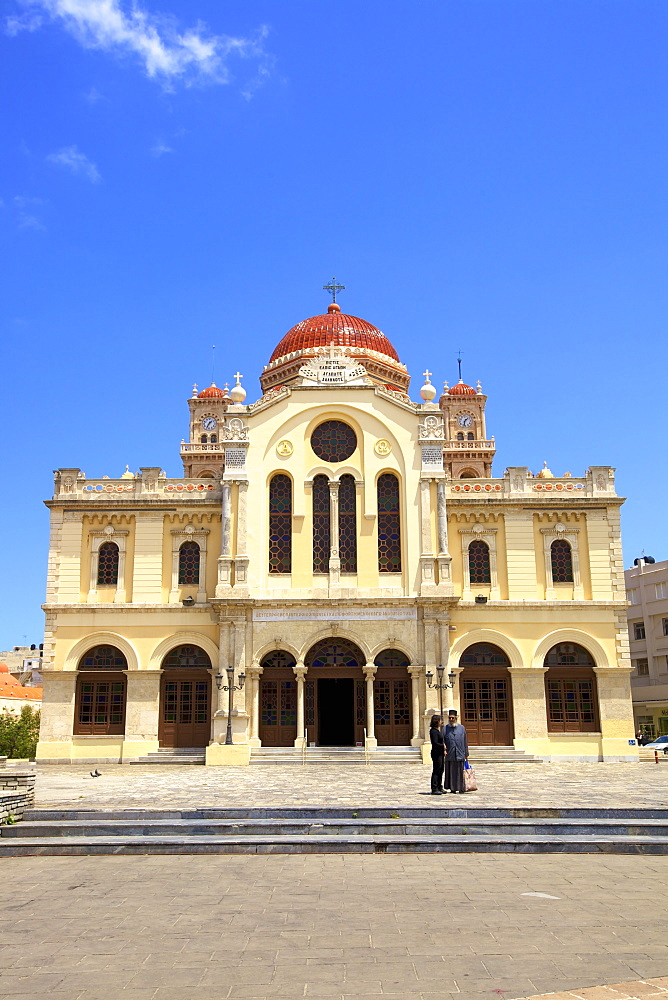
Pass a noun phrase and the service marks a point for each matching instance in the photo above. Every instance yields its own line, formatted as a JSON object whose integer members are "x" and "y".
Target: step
{"x": 293, "y": 830}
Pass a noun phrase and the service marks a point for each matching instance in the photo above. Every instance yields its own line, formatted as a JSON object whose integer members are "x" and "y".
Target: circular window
{"x": 333, "y": 441}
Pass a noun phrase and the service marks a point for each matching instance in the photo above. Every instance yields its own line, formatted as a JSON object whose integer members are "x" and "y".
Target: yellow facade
{"x": 492, "y": 624}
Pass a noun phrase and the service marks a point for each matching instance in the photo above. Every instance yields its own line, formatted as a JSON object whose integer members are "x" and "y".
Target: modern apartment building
{"x": 647, "y": 591}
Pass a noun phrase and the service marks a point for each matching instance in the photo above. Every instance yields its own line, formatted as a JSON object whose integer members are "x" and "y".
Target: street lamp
{"x": 231, "y": 688}
{"x": 442, "y": 685}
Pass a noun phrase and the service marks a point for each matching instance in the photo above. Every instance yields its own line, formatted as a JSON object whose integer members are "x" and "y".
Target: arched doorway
{"x": 486, "y": 695}
{"x": 99, "y": 708}
{"x": 392, "y": 700}
{"x": 185, "y": 698}
{"x": 334, "y": 697}
{"x": 278, "y": 700}
{"x": 570, "y": 690}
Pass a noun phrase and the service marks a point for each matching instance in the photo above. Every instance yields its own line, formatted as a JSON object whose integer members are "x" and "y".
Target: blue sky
{"x": 483, "y": 175}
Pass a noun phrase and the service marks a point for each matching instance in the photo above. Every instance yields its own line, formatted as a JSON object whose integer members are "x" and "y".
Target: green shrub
{"x": 19, "y": 733}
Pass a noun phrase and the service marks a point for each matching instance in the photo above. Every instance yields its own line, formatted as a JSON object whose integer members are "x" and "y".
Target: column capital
{"x": 300, "y": 669}
{"x": 255, "y": 668}
{"x": 369, "y": 670}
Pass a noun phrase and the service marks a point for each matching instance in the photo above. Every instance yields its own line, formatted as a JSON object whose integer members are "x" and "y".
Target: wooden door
{"x": 185, "y": 708}
{"x": 392, "y": 709}
{"x": 278, "y": 710}
{"x": 486, "y": 709}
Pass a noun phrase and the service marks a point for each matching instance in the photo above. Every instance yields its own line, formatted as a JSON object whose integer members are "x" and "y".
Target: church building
{"x": 337, "y": 562}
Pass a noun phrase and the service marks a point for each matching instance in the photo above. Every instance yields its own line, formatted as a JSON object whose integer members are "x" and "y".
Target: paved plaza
{"x": 517, "y": 785}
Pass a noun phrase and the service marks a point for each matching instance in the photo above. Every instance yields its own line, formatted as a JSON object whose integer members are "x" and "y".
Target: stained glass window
{"x": 347, "y": 525}
{"x": 334, "y": 653}
{"x": 280, "y": 524}
{"x": 188, "y": 564}
{"x": 484, "y": 654}
{"x": 321, "y": 524}
{"x": 333, "y": 441}
{"x": 391, "y": 658}
{"x": 479, "y": 562}
{"x": 107, "y": 565}
{"x": 103, "y": 658}
{"x": 389, "y": 528}
{"x": 568, "y": 654}
{"x": 562, "y": 561}
{"x": 187, "y": 656}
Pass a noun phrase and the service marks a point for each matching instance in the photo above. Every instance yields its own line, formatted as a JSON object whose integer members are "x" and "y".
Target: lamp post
{"x": 442, "y": 685}
{"x": 230, "y": 687}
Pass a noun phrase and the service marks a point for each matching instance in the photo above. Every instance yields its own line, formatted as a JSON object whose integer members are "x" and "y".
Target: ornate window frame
{"x": 188, "y": 534}
{"x": 568, "y": 534}
{"x": 475, "y": 533}
{"x": 107, "y": 534}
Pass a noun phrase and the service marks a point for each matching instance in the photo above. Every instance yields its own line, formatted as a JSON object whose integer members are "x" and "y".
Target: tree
{"x": 19, "y": 733}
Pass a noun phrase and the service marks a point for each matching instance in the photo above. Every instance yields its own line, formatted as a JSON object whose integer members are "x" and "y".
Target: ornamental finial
{"x": 333, "y": 288}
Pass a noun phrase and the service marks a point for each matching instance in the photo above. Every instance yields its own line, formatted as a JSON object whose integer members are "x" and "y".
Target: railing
{"x": 534, "y": 487}
{"x": 454, "y": 445}
{"x": 199, "y": 446}
{"x": 69, "y": 488}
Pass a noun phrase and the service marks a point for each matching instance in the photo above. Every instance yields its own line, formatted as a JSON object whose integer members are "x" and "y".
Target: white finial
{"x": 446, "y": 388}
{"x": 428, "y": 391}
{"x": 479, "y": 385}
{"x": 195, "y": 389}
{"x": 238, "y": 393}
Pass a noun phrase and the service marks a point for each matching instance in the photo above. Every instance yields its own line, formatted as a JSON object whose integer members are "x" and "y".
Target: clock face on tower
{"x": 464, "y": 420}
{"x": 209, "y": 423}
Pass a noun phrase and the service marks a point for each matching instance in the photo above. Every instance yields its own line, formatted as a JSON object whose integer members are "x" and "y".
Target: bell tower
{"x": 203, "y": 455}
{"x": 467, "y": 454}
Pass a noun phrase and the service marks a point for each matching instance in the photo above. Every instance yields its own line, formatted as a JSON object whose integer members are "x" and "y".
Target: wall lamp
{"x": 442, "y": 685}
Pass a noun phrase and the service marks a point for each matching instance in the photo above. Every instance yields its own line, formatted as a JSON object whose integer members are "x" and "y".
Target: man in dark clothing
{"x": 456, "y": 752}
{"x": 437, "y": 755}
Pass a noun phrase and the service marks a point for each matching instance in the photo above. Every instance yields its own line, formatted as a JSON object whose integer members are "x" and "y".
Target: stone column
{"x": 241, "y": 558}
{"x": 369, "y": 673}
{"x": 57, "y": 715}
{"x": 141, "y": 713}
{"x": 529, "y": 709}
{"x": 225, "y": 558}
{"x": 299, "y": 671}
{"x": 616, "y": 713}
{"x": 415, "y": 674}
{"x": 254, "y": 675}
{"x": 444, "y": 558}
{"x": 426, "y": 553}
{"x": 334, "y": 559}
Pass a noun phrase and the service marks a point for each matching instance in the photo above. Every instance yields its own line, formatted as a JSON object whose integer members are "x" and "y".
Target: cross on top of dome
{"x": 333, "y": 288}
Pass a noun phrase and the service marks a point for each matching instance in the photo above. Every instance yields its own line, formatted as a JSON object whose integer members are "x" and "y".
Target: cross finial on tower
{"x": 427, "y": 374}
{"x": 333, "y": 288}
{"x": 459, "y": 362}
{"x": 238, "y": 376}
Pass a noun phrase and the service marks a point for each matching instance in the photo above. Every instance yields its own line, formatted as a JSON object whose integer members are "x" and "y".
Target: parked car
{"x": 661, "y": 743}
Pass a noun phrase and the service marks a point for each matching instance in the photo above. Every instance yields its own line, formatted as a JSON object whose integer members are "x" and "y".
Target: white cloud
{"x": 27, "y": 221}
{"x": 166, "y": 52}
{"x": 160, "y": 148}
{"x": 77, "y": 162}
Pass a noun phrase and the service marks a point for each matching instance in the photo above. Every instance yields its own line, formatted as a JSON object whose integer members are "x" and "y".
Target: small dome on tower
{"x": 462, "y": 389}
{"x": 127, "y": 474}
{"x": 545, "y": 473}
{"x": 428, "y": 391}
{"x": 237, "y": 392}
{"x": 213, "y": 392}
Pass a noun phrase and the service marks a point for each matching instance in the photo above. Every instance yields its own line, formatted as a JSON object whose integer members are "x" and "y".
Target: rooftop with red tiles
{"x": 336, "y": 328}
{"x": 461, "y": 389}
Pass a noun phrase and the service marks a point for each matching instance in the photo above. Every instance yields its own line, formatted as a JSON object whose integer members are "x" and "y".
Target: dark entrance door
{"x": 278, "y": 700}
{"x": 336, "y": 718}
{"x": 185, "y": 709}
{"x": 486, "y": 697}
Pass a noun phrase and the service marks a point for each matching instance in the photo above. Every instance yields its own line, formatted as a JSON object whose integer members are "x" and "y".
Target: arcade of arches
{"x": 336, "y": 698}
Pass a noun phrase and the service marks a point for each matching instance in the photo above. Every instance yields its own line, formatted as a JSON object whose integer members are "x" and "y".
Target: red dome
{"x": 212, "y": 392}
{"x": 461, "y": 389}
{"x": 334, "y": 328}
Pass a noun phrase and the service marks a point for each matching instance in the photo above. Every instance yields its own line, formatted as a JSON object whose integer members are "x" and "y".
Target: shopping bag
{"x": 470, "y": 783}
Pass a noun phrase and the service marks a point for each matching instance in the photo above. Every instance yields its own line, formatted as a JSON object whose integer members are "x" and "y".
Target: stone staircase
{"x": 437, "y": 828}
{"x": 336, "y": 755}
{"x": 173, "y": 755}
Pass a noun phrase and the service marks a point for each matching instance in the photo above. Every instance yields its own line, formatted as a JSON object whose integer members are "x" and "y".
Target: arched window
{"x": 100, "y": 694}
{"x": 389, "y": 524}
{"x": 107, "y": 565}
{"x": 214, "y": 439}
{"x": 321, "y": 524}
{"x": 562, "y": 561}
{"x": 280, "y": 524}
{"x": 570, "y": 689}
{"x": 468, "y": 474}
{"x": 460, "y": 436}
{"x": 182, "y": 657}
{"x": 348, "y": 524}
{"x": 479, "y": 569}
{"x": 188, "y": 564}
{"x": 469, "y": 436}
{"x": 204, "y": 439}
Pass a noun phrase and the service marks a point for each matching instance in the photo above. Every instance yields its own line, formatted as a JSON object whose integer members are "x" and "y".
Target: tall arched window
{"x": 107, "y": 565}
{"x": 562, "y": 561}
{"x": 469, "y": 436}
{"x": 280, "y": 524}
{"x": 460, "y": 436}
{"x": 479, "y": 568}
{"x": 348, "y": 524}
{"x": 204, "y": 439}
{"x": 570, "y": 689}
{"x": 188, "y": 564}
{"x": 100, "y": 693}
{"x": 389, "y": 524}
{"x": 321, "y": 524}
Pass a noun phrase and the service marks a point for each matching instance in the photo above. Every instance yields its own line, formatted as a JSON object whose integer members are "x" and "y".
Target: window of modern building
{"x": 633, "y": 595}
{"x": 280, "y": 524}
{"x": 660, "y": 591}
{"x": 107, "y": 565}
{"x": 638, "y": 630}
{"x": 479, "y": 568}
{"x": 646, "y": 724}
{"x": 664, "y": 625}
{"x": 188, "y": 564}
{"x": 333, "y": 441}
{"x": 100, "y": 693}
{"x": 321, "y": 524}
{"x": 562, "y": 561}
{"x": 642, "y": 667}
{"x": 571, "y": 690}
{"x": 348, "y": 524}
{"x": 389, "y": 524}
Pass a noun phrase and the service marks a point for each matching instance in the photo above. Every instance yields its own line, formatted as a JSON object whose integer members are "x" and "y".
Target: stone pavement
{"x": 419, "y": 927}
{"x": 516, "y": 785}
{"x": 649, "y": 989}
